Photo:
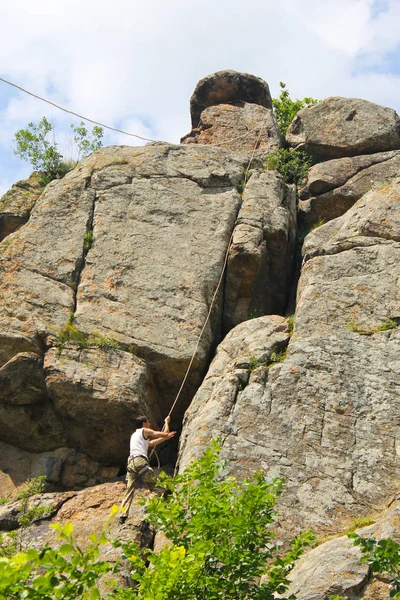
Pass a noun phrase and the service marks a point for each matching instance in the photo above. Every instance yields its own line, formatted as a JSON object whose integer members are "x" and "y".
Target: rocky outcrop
{"x": 326, "y": 417}
{"x": 228, "y": 86}
{"x": 339, "y": 127}
{"x": 261, "y": 256}
{"x": 16, "y": 205}
{"x": 130, "y": 247}
{"x": 244, "y": 127}
{"x": 88, "y": 510}
{"x": 334, "y": 186}
{"x": 98, "y": 394}
{"x": 334, "y": 567}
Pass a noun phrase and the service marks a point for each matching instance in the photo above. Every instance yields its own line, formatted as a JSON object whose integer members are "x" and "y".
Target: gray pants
{"x": 138, "y": 467}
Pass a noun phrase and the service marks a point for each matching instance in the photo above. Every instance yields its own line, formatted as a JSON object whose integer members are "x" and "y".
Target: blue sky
{"x": 135, "y": 64}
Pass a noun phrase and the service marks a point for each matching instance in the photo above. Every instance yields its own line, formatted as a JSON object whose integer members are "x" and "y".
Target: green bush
{"x": 383, "y": 557}
{"x": 220, "y": 535}
{"x": 286, "y": 109}
{"x": 33, "y": 145}
{"x": 292, "y": 164}
{"x": 221, "y": 543}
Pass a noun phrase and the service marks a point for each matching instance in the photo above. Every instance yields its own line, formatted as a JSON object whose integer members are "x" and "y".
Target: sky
{"x": 134, "y": 65}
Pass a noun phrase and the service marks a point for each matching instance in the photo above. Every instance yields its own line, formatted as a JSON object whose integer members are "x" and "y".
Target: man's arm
{"x": 159, "y": 435}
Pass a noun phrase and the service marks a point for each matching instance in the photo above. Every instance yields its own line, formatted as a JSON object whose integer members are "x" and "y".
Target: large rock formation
{"x": 339, "y": 127}
{"x": 326, "y": 417}
{"x": 105, "y": 289}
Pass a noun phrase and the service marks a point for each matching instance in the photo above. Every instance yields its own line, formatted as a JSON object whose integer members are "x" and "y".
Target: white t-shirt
{"x": 139, "y": 445}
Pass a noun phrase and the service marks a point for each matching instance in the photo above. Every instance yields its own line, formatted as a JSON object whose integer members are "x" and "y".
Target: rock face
{"x": 98, "y": 396}
{"x": 129, "y": 246}
{"x": 105, "y": 288}
{"x": 261, "y": 255}
{"x": 339, "y": 127}
{"x": 334, "y": 567}
{"x": 334, "y": 186}
{"x": 325, "y": 418}
{"x": 244, "y": 127}
{"x": 228, "y": 86}
{"x": 17, "y": 203}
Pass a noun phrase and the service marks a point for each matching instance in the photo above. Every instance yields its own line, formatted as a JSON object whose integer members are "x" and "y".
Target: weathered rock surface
{"x": 244, "y": 127}
{"x": 64, "y": 468}
{"x": 334, "y": 186}
{"x": 334, "y": 567}
{"x": 230, "y": 397}
{"x": 260, "y": 264}
{"x": 98, "y": 395}
{"x": 88, "y": 510}
{"x": 16, "y": 204}
{"x": 228, "y": 86}
{"x": 326, "y": 418}
{"x": 339, "y": 127}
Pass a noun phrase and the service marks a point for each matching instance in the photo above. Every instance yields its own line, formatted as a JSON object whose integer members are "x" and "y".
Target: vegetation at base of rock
{"x": 221, "y": 543}
{"x": 33, "y": 145}
{"x": 386, "y": 325}
{"x": 383, "y": 557}
{"x": 285, "y": 108}
{"x": 292, "y": 164}
{"x": 220, "y": 534}
{"x": 71, "y": 333}
{"x": 12, "y": 542}
{"x": 69, "y": 573}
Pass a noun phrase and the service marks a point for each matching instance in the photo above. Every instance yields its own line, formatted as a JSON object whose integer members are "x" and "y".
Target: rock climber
{"x": 142, "y": 439}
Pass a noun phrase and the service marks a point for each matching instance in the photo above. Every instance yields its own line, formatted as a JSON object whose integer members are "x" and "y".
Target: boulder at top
{"x": 228, "y": 86}
{"x": 17, "y": 203}
{"x": 339, "y": 127}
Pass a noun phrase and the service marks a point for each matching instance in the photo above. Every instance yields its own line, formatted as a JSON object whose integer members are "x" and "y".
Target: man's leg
{"x": 137, "y": 467}
{"x": 131, "y": 478}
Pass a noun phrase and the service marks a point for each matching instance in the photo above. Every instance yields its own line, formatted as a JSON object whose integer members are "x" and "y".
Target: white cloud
{"x": 137, "y": 63}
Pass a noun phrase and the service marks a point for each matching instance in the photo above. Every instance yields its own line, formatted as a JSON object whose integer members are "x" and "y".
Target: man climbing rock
{"x": 138, "y": 463}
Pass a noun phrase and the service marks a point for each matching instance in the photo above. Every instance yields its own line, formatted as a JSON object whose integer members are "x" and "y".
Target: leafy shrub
{"x": 286, "y": 109}
{"x": 382, "y": 556}
{"x": 220, "y": 535}
{"x": 33, "y": 145}
{"x": 292, "y": 164}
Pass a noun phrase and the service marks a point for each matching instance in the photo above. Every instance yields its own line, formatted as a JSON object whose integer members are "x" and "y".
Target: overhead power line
{"x": 71, "y": 112}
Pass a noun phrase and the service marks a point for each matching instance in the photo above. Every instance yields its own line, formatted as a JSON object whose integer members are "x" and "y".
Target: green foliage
{"x": 383, "y": 557}
{"x": 68, "y": 573}
{"x": 33, "y": 145}
{"x": 220, "y": 535}
{"x": 276, "y": 357}
{"x": 242, "y": 182}
{"x": 88, "y": 240}
{"x": 386, "y": 325}
{"x": 71, "y": 333}
{"x": 290, "y": 322}
{"x": 13, "y": 541}
{"x": 86, "y": 141}
{"x": 358, "y": 523}
{"x": 286, "y": 109}
{"x": 292, "y": 164}
{"x": 3, "y": 501}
